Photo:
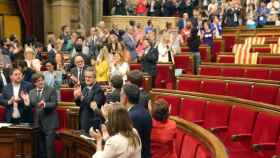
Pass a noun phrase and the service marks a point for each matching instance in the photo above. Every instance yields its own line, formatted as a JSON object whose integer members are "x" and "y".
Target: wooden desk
{"x": 19, "y": 141}
{"x": 76, "y": 146}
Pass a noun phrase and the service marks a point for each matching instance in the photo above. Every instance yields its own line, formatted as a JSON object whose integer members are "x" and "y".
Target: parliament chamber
{"x": 228, "y": 106}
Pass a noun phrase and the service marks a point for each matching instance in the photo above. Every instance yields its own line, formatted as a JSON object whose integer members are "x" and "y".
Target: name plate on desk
{"x": 19, "y": 140}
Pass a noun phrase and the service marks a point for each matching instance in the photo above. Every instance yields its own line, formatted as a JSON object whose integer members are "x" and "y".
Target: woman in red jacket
{"x": 140, "y": 8}
{"x": 163, "y": 131}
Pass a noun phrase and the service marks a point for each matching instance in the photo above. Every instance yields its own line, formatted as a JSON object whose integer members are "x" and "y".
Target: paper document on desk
{"x": 5, "y": 125}
{"x": 86, "y": 137}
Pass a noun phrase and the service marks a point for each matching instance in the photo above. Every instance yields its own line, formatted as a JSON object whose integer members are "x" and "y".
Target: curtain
{"x": 24, "y": 7}
{"x": 32, "y": 15}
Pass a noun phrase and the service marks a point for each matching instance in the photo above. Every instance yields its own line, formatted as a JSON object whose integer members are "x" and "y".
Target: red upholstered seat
{"x": 67, "y": 94}
{"x": 216, "y": 115}
{"x": 275, "y": 60}
{"x": 188, "y": 84}
{"x": 205, "y": 53}
{"x": 239, "y": 89}
{"x": 213, "y": 87}
{"x": 202, "y": 152}
{"x": 213, "y": 71}
{"x": 256, "y": 73}
{"x": 262, "y": 49}
{"x": 62, "y": 116}
{"x": 174, "y": 102}
{"x": 264, "y": 93}
{"x": 2, "y": 113}
{"x": 179, "y": 140}
{"x": 165, "y": 76}
{"x": 233, "y": 72}
{"x": 274, "y": 74}
{"x": 182, "y": 61}
{"x": 189, "y": 147}
{"x": 135, "y": 66}
{"x": 265, "y": 135}
{"x": 184, "y": 49}
{"x": 225, "y": 59}
{"x": 229, "y": 42}
{"x": 241, "y": 122}
{"x": 192, "y": 110}
{"x": 217, "y": 48}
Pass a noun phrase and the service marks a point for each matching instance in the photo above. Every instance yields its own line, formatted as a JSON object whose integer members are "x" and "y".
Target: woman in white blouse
{"x": 32, "y": 62}
{"x": 119, "y": 66}
{"x": 123, "y": 141}
{"x": 165, "y": 49}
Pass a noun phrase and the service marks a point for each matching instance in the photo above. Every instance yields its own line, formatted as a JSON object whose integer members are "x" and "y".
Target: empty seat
{"x": 192, "y": 110}
{"x": 274, "y": 74}
{"x": 260, "y": 73}
{"x": 229, "y": 40}
{"x": 174, "y": 102}
{"x": 233, "y": 72}
{"x": 239, "y": 89}
{"x": 183, "y": 61}
{"x": 179, "y": 140}
{"x": 2, "y": 113}
{"x": 189, "y": 147}
{"x": 262, "y": 49}
{"x": 225, "y": 59}
{"x": 241, "y": 121}
{"x": 213, "y": 71}
{"x": 67, "y": 94}
{"x": 213, "y": 87}
{"x": 187, "y": 84}
{"x": 202, "y": 152}
{"x": 264, "y": 93}
{"x": 205, "y": 53}
{"x": 216, "y": 115}
{"x": 165, "y": 76}
{"x": 274, "y": 60}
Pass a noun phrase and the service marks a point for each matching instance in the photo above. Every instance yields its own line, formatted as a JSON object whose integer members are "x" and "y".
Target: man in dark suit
{"x": 169, "y": 8}
{"x": 140, "y": 116}
{"x": 77, "y": 72}
{"x": 154, "y": 8}
{"x": 94, "y": 43}
{"x": 116, "y": 83}
{"x": 149, "y": 59}
{"x": 4, "y": 76}
{"x": 44, "y": 101}
{"x": 136, "y": 77}
{"x": 89, "y": 99}
{"x": 12, "y": 98}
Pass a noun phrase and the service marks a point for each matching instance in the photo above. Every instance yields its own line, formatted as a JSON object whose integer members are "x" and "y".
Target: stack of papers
{"x": 5, "y": 125}
{"x": 86, "y": 137}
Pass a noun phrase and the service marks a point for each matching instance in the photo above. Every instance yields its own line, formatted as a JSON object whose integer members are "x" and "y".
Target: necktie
{"x": 39, "y": 93}
{"x": 80, "y": 74}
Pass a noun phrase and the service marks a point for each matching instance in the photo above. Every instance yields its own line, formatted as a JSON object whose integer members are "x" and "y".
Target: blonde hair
{"x": 104, "y": 54}
{"x": 29, "y": 50}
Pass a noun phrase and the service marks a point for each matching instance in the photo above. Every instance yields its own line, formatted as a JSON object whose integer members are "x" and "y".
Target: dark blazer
{"x": 88, "y": 117}
{"x": 157, "y": 9}
{"x": 25, "y": 111}
{"x": 94, "y": 47}
{"x": 149, "y": 61}
{"x": 114, "y": 96}
{"x": 130, "y": 44}
{"x": 46, "y": 117}
{"x": 6, "y": 73}
{"x": 144, "y": 98}
{"x": 181, "y": 23}
{"x": 74, "y": 71}
{"x": 142, "y": 122}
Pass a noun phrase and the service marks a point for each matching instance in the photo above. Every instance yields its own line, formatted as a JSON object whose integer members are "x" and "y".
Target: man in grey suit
{"x": 44, "y": 101}
{"x": 77, "y": 72}
{"x": 94, "y": 43}
{"x": 130, "y": 42}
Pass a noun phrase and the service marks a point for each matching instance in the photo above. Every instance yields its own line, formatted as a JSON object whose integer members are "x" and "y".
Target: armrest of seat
{"x": 218, "y": 129}
{"x": 239, "y": 137}
{"x": 199, "y": 122}
{"x": 264, "y": 146}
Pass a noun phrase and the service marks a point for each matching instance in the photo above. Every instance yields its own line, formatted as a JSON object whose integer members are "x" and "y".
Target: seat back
{"x": 179, "y": 140}
{"x": 233, "y": 72}
{"x": 189, "y": 147}
{"x": 216, "y": 115}
{"x": 165, "y": 76}
{"x": 212, "y": 71}
{"x": 274, "y": 74}
{"x": 174, "y": 102}
{"x": 264, "y": 93}
{"x": 62, "y": 116}
{"x": 242, "y": 120}
{"x": 67, "y": 94}
{"x": 2, "y": 113}
{"x": 188, "y": 84}
{"x": 183, "y": 61}
{"x": 266, "y": 129}
{"x": 239, "y": 89}
{"x": 274, "y": 60}
{"x": 192, "y": 110}
{"x": 135, "y": 66}
{"x": 256, "y": 73}
{"x": 213, "y": 87}
{"x": 225, "y": 58}
{"x": 202, "y": 152}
